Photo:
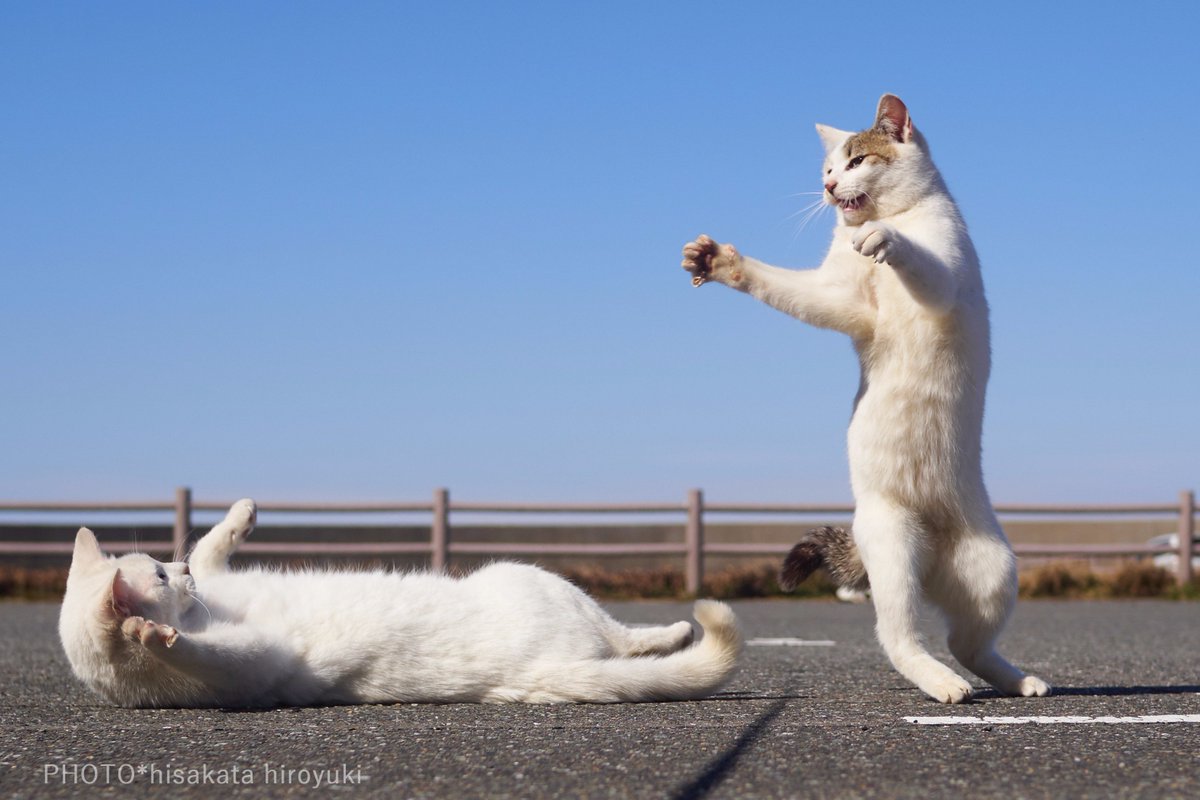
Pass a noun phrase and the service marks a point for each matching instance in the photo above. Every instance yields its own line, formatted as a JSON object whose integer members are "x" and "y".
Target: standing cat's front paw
{"x": 148, "y": 632}
{"x": 708, "y": 261}
{"x": 877, "y": 241}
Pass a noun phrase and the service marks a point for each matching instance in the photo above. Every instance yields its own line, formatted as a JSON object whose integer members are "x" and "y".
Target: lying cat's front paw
{"x": 708, "y": 261}
{"x": 148, "y": 632}
{"x": 242, "y": 517}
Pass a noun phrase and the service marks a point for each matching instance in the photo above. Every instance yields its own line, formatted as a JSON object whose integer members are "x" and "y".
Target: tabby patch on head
{"x": 875, "y": 142}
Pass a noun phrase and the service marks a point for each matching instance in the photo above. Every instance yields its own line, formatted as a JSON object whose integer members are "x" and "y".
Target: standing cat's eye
{"x": 854, "y": 162}
{"x": 162, "y": 575}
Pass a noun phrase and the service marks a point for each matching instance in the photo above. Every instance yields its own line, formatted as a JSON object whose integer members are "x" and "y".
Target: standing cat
{"x": 141, "y": 633}
{"x": 902, "y": 280}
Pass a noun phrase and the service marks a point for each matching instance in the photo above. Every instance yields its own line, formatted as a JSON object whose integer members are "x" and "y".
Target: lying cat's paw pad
{"x": 148, "y": 632}
{"x": 242, "y": 517}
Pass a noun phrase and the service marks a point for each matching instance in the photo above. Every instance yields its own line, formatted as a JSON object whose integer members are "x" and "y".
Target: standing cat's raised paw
{"x": 877, "y": 241}
{"x": 708, "y": 261}
{"x": 149, "y": 633}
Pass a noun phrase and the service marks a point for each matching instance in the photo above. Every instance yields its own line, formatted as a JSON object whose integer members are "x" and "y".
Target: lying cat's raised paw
{"x": 709, "y": 261}
{"x": 148, "y": 632}
{"x": 242, "y": 516}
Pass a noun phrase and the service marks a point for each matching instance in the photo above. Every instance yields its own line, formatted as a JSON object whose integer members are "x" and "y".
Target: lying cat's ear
{"x": 832, "y": 138}
{"x": 892, "y": 118}
{"x": 87, "y": 551}
{"x": 122, "y": 600}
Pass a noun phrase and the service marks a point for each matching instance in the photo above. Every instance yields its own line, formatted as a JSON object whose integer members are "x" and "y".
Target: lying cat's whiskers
{"x": 207, "y": 610}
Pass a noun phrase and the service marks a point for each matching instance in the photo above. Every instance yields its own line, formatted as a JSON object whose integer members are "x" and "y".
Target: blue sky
{"x": 359, "y": 250}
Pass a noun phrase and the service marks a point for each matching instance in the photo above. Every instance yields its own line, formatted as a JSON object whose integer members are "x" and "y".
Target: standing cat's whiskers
{"x": 807, "y": 215}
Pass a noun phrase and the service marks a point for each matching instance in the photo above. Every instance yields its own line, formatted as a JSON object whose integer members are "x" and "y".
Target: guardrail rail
{"x": 440, "y": 546}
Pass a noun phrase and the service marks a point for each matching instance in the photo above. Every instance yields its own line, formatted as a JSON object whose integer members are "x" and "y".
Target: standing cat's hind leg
{"x": 890, "y": 541}
{"x": 212, "y": 552}
{"x": 976, "y": 595}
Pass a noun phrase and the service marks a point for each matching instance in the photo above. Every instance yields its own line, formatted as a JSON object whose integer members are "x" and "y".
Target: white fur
{"x": 902, "y": 279}
{"x": 260, "y": 637}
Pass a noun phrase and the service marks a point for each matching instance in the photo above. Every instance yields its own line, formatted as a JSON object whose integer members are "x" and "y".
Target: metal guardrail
{"x": 440, "y": 546}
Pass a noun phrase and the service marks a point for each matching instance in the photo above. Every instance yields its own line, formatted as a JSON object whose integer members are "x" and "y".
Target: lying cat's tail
{"x": 831, "y": 548}
{"x": 689, "y": 674}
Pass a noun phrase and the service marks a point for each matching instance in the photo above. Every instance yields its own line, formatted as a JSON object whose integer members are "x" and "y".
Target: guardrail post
{"x": 1187, "y": 531}
{"x": 183, "y": 520}
{"x": 439, "y": 533}
{"x": 694, "y": 540}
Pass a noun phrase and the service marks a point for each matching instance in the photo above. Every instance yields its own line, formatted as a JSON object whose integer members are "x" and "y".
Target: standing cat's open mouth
{"x": 852, "y": 203}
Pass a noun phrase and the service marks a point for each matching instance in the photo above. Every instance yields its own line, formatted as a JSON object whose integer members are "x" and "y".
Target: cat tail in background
{"x": 831, "y": 548}
{"x": 689, "y": 674}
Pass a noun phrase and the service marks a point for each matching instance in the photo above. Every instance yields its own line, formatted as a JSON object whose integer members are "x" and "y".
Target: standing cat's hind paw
{"x": 951, "y": 689}
{"x": 1031, "y": 686}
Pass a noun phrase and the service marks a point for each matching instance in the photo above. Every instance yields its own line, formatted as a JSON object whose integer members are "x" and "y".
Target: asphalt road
{"x": 797, "y": 721}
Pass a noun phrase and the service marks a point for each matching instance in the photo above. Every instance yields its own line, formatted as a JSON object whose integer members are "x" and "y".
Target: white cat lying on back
{"x": 143, "y": 633}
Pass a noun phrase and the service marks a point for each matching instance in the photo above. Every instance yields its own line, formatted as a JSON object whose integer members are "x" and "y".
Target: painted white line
{"x": 1149, "y": 718}
{"x": 789, "y": 642}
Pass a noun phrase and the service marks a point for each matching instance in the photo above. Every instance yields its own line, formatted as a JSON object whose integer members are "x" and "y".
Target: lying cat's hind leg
{"x": 660, "y": 640}
{"x": 211, "y": 554}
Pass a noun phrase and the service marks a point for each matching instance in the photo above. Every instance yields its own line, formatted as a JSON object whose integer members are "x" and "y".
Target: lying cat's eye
{"x": 854, "y": 162}
{"x": 162, "y": 575}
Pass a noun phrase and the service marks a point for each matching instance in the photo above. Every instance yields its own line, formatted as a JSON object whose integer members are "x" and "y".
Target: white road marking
{"x": 1148, "y": 718}
{"x": 789, "y": 642}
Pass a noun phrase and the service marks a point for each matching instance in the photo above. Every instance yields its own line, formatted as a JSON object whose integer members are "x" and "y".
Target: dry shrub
{"x": 762, "y": 580}
{"x": 626, "y": 584}
{"x": 28, "y": 583}
{"x": 1129, "y": 579}
{"x": 1059, "y": 580}
{"x": 1135, "y": 579}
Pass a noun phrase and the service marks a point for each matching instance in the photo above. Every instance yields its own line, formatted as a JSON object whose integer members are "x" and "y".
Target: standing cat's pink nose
{"x": 186, "y": 571}
{"x": 829, "y": 187}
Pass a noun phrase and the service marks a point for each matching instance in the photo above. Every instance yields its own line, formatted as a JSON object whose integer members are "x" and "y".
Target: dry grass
{"x": 22, "y": 583}
{"x": 1058, "y": 579}
{"x": 1128, "y": 579}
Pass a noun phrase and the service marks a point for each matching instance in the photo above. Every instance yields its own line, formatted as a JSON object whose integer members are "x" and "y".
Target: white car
{"x": 1169, "y": 560}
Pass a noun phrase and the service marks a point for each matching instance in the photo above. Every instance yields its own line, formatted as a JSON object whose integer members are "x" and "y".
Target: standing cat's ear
{"x": 87, "y": 552}
{"x": 892, "y": 118}
{"x": 832, "y": 138}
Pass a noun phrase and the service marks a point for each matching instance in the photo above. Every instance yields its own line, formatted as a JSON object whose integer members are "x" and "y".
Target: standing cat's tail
{"x": 689, "y": 674}
{"x": 831, "y": 548}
